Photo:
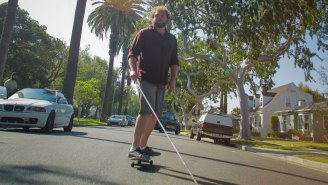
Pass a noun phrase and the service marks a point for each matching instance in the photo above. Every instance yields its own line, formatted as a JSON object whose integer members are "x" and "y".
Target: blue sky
{"x": 57, "y": 16}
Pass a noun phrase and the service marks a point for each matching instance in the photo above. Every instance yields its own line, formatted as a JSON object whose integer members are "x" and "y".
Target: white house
{"x": 268, "y": 102}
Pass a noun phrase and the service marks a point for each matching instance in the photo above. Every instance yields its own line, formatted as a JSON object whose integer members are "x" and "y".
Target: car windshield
{"x": 38, "y": 94}
{"x": 117, "y": 117}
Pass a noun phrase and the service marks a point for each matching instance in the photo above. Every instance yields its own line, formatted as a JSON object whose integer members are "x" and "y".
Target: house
{"x": 265, "y": 104}
{"x": 310, "y": 119}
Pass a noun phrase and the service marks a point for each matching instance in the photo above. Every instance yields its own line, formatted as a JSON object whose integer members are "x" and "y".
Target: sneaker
{"x": 137, "y": 154}
{"x": 150, "y": 152}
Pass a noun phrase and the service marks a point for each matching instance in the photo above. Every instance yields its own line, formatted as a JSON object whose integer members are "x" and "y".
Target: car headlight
{"x": 36, "y": 109}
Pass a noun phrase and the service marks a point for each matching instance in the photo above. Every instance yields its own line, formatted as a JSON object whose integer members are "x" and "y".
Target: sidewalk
{"x": 285, "y": 155}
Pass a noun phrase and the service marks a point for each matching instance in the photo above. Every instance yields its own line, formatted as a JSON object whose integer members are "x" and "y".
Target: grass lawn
{"x": 290, "y": 143}
{"x": 187, "y": 131}
{"x": 88, "y": 121}
{"x": 322, "y": 159}
{"x": 276, "y": 143}
{"x": 261, "y": 144}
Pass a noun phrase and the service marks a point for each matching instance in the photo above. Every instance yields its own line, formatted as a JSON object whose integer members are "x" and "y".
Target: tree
{"x": 316, "y": 95}
{"x": 31, "y": 47}
{"x": 247, "y": 38}
{"x": 71, "y": 69}
{"x": 125, "y": 43}
{"x": 116, "y": 16}
{"x": 7, "y": 31}
{"x": 235, "y": 111}
{"x": 85, "y": 93}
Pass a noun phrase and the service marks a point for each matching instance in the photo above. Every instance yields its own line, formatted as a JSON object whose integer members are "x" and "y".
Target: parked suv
{"x": 169, "y": 122}
{"x": 213, "y": 126}
{"x": 119, "y": 120}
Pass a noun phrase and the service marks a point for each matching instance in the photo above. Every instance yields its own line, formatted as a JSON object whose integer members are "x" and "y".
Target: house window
{"x": 287, "y": 102}
{"x": 260, "y": 124}
{"x": 255, "y": 121}
{"x": 306, "y": 122}
{"x": 325, "y": 122}
{"x": 284, "y": 123}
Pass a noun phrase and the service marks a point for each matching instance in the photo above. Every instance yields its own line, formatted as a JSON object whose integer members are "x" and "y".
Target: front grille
{"x": 8, "y": 107}
{"x": 19, "y": 120}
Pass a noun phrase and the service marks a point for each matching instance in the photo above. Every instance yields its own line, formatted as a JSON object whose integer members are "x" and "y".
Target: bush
{"x": 274, "y": 123}
{"x": 271, "y": 134}
{"x": 282, "y": 135}
{"x": 306, "y": 137}
{"x": 256, "y": 134}
{"x": 294, "y": 132}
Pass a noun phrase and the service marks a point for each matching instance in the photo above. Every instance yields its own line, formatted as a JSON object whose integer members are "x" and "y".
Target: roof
{"x": 271, "y": 94}
{"x": 280, "y": 89}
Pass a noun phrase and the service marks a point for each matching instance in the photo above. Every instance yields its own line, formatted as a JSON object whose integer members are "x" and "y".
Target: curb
{"x": 296, "y": 160}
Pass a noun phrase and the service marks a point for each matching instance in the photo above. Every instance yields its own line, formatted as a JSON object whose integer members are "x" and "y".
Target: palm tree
{"x": 118, "y": 16}
{"x": 71, "y": 69}
{"x": 7, "y": 33}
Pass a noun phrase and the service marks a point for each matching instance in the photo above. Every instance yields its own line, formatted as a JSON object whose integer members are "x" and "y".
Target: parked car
{"x": 133, "y": 121}
{"x": 129, "y": 118}
{"x": 3, "y": 92}
{"x": 119, "y": 120}
{"x": 42, "y": 108}
{"x": 213, "y": 126}
{"x": 169, "y": 122}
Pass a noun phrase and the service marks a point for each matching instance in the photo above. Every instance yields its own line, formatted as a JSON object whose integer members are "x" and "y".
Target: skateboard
{"x": 139, "y": 162}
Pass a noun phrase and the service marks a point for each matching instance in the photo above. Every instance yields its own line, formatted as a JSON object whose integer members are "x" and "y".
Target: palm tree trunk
{"x": 124, "y": 67}
{"x": 71, "y": 69}
{"x": 112, "y": 50}
{"x": 128, "y": 84}
{"x": 7, "y": 33}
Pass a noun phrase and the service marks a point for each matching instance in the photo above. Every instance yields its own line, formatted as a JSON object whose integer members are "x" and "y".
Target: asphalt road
{"x": 98, "y": 155}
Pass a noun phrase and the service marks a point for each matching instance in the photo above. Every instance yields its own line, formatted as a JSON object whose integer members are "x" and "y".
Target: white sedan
{"x": 42, "y": 108}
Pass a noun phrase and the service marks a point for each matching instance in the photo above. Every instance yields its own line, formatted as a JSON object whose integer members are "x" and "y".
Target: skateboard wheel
{"x": 151, "y": 163}
{"x": 132, "y": 164}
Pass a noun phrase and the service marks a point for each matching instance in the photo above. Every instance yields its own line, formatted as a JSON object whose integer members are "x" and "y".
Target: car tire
{"x": 50, "y": 123}
{"x": 199, "y": 136}
{"x": 192, "y": 135}
{"x": 70, "y": 125}
{"x": 226, "y": 142}
{"x": 216, "y": 140}
{"x": 177, "y": 130}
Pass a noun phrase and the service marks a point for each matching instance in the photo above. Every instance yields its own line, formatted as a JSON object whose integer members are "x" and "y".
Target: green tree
{"x": 71, "y": 69}
{"x": 316, "y": 95}
{"x": 235, "y": 111}
{"x": 247, "y": 38}
{"x": 116, "y": 16}
{"x": 7, "y": 31}
{"x": 31, "y": 47}
{"x": 86, "y": 93}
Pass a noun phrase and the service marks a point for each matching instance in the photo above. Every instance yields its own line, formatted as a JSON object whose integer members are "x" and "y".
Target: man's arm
{"x": 133, "y": 63}
{"x": 174, "y": 72}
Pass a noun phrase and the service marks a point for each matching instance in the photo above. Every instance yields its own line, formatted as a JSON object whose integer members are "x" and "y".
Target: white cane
{"x": 160, "y": 123}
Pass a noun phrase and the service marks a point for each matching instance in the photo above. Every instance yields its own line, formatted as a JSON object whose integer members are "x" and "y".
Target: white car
{"x": 120, "y": 120}
{"x": 41, "y": 108}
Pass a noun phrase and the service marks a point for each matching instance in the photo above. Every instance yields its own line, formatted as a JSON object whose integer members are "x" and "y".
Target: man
{"x": 152, "y": 53}
{"x": 11, "y": 84}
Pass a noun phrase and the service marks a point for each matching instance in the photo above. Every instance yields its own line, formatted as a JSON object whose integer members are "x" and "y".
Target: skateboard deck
{"x": 139, "y": 162}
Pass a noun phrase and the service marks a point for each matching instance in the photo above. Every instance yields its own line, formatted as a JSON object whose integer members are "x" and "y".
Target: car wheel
{"x": 216, "y": 140}
{"x": 177, "y": 130}
{"x": 192, "y": 135}
{"x": 226, "y": 142}
{"x": 70, "y": 125}
{"x": 50, "y": 123}
{"x": 199, "y": 136}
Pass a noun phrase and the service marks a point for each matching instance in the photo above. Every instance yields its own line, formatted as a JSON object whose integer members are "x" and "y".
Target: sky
{"x": 58, "y": 17}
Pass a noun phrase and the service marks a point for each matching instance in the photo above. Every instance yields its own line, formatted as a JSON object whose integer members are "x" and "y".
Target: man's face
{"x": 160, "y": 19}
{"x": 14, "y": 77}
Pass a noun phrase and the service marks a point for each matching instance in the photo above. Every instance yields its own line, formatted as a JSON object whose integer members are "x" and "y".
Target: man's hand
{"x": 171, "y": 85}
{"x": 136, "y": 75}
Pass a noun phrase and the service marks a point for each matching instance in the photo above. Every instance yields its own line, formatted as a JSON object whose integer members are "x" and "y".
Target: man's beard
{"x": 159, "y": 25}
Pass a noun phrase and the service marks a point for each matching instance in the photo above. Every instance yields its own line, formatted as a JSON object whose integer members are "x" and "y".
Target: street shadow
{"x": 14, "y": 174}
{"x": 200, "y": 179}
{"x": 245, "y": 165}
{"x": 171, "y": 135}
{"x": 37, "y": 131}
{"x": 147, "y": 168}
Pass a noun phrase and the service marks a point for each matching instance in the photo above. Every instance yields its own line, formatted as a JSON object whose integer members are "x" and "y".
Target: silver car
{"x": 120, "y": 120}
